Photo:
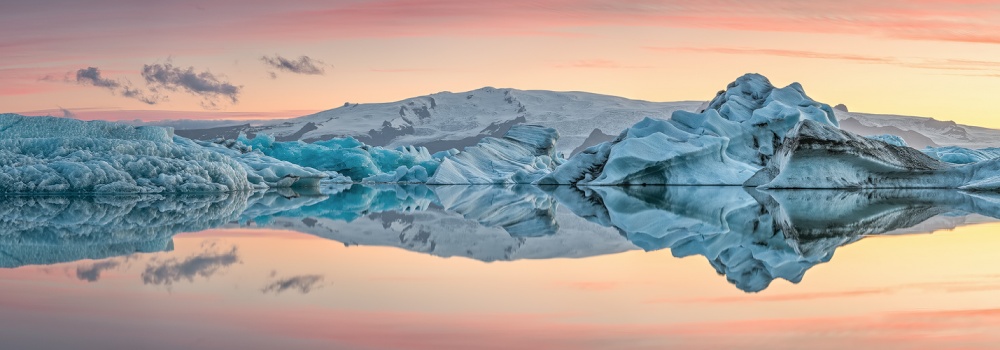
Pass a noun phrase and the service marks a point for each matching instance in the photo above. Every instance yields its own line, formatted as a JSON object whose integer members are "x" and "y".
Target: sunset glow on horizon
{"x": 265, "y": 59}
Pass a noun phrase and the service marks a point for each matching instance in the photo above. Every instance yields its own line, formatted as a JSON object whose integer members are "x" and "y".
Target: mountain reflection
{"x": 751, "y": 237}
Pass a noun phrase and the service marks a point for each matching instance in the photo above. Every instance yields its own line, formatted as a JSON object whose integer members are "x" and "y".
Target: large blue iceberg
{"x": 355, "y": 160}
{"x": 725, "y": 144}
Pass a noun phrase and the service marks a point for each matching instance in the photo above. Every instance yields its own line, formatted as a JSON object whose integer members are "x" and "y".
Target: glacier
{"x": 48, "y": 154}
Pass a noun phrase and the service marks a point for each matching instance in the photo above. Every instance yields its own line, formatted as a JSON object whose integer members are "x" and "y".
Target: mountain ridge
{"x": 447, "y": 119}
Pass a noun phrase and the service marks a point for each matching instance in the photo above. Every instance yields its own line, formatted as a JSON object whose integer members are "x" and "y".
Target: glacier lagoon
{"x": 418, "y": 266}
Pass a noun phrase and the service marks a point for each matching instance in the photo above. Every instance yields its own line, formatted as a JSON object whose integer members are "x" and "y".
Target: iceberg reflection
{"x": 752, "y": 237}
{"x": 41, "y": 230}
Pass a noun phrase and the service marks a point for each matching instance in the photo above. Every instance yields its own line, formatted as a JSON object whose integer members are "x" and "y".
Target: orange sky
{"x": 929, "y": 58}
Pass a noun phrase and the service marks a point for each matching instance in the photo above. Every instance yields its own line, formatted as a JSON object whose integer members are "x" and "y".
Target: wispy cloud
{"x": 399, "y": 70}
{"x": 302, "y": 65}
{"x": 303, "y": 284}
{"x": 597, "y": 63}
{"x": 36, "y": 29}
{"x": 92, "y": 76}
{"x": 67, "y": 113}
{"x": 990, "y": 67}
{"x": 590, "y": 285}
{"x": 778, "y": 52}
{"x": 204, "y": 84}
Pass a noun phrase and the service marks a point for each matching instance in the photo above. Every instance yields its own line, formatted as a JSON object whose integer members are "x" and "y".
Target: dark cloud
{"x": 92, "y": 76}
{"x": 204, "y": 264}
{"x": 302, "y": 65}
{"x": 203, "y": 84}
{"x": 92, "y": 273}
{"x": 67, "y": 113}
{"x": 150, "y": 99}
{"x": 304, "y": 284}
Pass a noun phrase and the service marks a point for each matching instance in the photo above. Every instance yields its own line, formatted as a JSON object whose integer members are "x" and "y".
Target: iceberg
{"x": 816, "y": 155}
{"x": 48, "y": 154}
{"x": 522, "y": 156}
{"x": 356, "y": 161}
{"x": 756, "y": 135}
{"x": 961, "y": 155}
{"x": 890, "y": 139}
{"x": 725, "y": 144}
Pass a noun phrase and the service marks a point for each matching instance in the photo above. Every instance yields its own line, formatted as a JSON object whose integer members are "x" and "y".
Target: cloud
{"x": 779, "y": 53}
{"x": 304, "y": 284}
{"x": 989, "y": 67}
{"x": 302, "y": 65}
{"x": 67, "y": 113}
{"x": 163, "y": 77}
{"x": 204, "y": 264}
{"x": 277, "y": 23}
{"x": 598, "y": 63}
{"x": 203, "y": 84}
{"x": 141, "y": 96}
{"x": 92, "y": 76}
{"x": 92, "y": 273}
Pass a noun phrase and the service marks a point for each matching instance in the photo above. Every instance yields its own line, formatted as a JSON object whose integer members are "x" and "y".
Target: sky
{"x": 123, "y": 60}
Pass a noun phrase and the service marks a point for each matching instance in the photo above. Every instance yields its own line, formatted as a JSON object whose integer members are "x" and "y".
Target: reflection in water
{"x": 480, "y": 222}
{"x": 204, "y": 264}
{"x": 92, "y": 273}
{"x": 752, "y": 237}
{"x": 303, "y": 284}
{"x": 40, "y": 230}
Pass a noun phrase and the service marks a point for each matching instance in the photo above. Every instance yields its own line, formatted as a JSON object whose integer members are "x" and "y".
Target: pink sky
{"x": 929, "y": 57}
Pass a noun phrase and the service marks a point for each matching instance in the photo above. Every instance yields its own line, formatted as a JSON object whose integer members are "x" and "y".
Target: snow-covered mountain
{"x": 919, "y": 132}
{"x": 455, "y": 120}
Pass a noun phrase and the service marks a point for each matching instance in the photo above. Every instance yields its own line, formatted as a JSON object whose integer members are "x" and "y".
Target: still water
{"x": 483, "y": 267}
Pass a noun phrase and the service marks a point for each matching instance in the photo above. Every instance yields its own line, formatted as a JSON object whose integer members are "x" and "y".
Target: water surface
{"x": 468, "y": 267}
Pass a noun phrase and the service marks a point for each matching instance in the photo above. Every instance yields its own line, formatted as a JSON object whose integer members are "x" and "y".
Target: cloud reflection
{"x": 303, "y": 284}
{"x": 92, "y": 273}
{"x": 204, "y": 264}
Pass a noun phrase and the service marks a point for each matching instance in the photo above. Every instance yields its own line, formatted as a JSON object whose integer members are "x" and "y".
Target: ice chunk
{"x": 350, "y": 158}
{"x": 113, "y": 157}
{"x": 15, "y": 126}
{"x": 402, "y": 174}
{"x": 522, "y": 156}
{"x": 961, "y": 155}
{"x": 890, "y": 139}
{"x": 725, "y": 144}
{"x": 820, "y": 156}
